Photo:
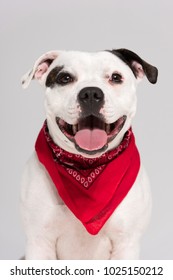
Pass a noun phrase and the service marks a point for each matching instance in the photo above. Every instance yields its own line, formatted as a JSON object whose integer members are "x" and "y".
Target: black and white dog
{"x": 85, "y": 194}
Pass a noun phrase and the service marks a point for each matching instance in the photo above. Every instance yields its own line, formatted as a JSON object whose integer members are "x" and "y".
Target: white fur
{"x": 52, "y": 230}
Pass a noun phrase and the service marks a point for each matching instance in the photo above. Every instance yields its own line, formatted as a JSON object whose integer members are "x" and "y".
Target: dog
{"x": 85, "y": 193}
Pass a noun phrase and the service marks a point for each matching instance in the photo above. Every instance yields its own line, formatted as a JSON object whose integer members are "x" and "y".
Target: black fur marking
{"x": 52, "y": 76}
{"x": 128, "y": 57}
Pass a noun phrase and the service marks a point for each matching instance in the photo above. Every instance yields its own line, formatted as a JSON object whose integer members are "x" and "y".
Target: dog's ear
{"x": 138, "y": 65}
{"x": 40, "y": 68}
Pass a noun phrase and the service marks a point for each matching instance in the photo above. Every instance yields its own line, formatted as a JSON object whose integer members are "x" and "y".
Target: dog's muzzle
{"x": 91, "y": 134}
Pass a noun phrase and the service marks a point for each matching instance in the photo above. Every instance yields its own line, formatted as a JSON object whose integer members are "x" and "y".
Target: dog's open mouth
{"x": 91, "y": 134}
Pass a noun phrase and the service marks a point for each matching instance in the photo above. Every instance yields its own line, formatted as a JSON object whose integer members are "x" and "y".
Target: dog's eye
{"x": 116, "y": 78}
{"x": 64, "y": 78}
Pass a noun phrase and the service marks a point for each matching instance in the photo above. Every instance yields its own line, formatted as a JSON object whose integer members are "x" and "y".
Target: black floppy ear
{"x": 138, "y": 65}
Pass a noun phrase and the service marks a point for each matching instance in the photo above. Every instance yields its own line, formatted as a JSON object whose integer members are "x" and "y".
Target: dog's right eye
{"x": 64, "y": 78}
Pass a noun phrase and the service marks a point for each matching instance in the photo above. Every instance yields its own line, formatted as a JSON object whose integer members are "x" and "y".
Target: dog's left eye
{"x": 116, "y": 78}
{"x": 64, "y": 78}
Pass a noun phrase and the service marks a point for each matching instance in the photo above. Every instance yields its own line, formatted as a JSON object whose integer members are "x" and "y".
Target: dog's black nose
{"x": 91, "y": 95}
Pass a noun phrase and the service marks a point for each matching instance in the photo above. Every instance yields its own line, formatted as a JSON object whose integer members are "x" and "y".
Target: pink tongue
{"x": 91, "y": 140}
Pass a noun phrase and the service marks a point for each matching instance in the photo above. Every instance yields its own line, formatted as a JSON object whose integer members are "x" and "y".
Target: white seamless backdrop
{"x": 30, "y": 28}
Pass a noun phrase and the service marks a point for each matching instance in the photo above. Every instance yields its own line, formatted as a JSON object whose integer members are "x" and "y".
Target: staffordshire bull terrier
{"x": 85, "y": 193}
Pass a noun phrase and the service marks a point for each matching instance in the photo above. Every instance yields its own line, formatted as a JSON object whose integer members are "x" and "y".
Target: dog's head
{"x": 90, "y": 98}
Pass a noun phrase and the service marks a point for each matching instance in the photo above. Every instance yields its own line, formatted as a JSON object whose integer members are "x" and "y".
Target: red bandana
{"x": 91, "y": 188}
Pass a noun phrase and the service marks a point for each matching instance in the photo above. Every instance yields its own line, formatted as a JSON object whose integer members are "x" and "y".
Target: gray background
{"x": 30, "y": 28}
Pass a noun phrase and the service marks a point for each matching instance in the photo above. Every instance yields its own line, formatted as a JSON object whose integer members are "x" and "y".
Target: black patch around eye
{"x": 52, "y": 76}
{"x": 64, "y": 78}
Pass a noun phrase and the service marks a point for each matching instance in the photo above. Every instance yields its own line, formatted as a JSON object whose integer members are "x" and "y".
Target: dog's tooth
{"x": 74, "y": 127}
{"x": 108, "y": 128}
{"x": 61, "y": 122}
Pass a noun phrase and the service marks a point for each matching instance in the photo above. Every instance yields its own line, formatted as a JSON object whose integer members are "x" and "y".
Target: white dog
{"x": 85, "y": 194}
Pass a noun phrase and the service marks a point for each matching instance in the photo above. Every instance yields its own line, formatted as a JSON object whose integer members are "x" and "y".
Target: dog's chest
{"x": 76, "y": 243}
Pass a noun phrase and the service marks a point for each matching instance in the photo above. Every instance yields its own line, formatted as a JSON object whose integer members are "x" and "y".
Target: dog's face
{"x": 90, "y": 98}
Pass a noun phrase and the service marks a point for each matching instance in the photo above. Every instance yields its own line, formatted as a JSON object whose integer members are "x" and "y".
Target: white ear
{"x": 40, "y": 68}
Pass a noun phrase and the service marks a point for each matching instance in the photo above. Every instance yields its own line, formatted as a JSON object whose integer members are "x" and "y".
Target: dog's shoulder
{"x": 36, "y": 180}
